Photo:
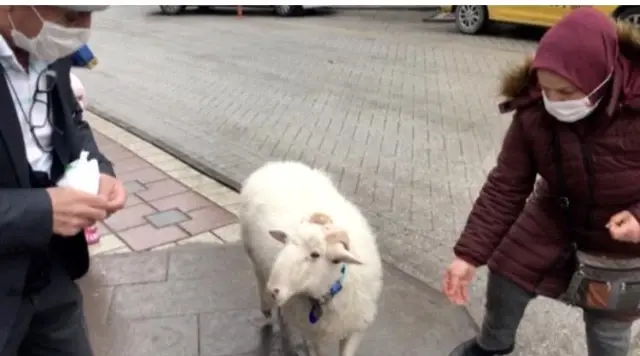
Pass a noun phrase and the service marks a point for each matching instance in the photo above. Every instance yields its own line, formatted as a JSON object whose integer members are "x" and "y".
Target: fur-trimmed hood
{"x": 515, "y": 80}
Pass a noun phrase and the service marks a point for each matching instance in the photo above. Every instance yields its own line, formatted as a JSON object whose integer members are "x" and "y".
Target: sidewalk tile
{"x": 108, "y": 242}
{"x": 223, "y": 197}
{"x": 147, "y": 236}
{"x": 170, "y": 164}
{"x": 186, "y": 202}
{"x": 198, "y": 181}
{"x": 210, "y": 187}
{"x": 233, "y": 208}
{"x": 145, "y": 175}
{"x": 170, "y": 336}
{"x": 161, "y": 189}
{"x": 229, "y": 233}
{"x": 115, "y": 152}
{"x": 102, "y": 229}
{"x": 133, "y": 186}
{"x": 123, "y": 249}
{"x": 164, "y": 247}
{"x": 158, "y": 157}
{"x": 123, "y": 269}
{"x": 166, "y": 218}
{"x": 240, "y": 330}
{"x": 181, "y": 173}
{"x": 132, "y": 200}
{"x": 205, "y": 237}
{"x": 129, "y": 217}
{"x": 130, "y": 164}
{"x": 207, "y": 219}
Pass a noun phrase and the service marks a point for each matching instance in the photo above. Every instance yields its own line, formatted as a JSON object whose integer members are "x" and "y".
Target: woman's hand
{"x": 456, "y": 281}
{"x": 623, "y": 226}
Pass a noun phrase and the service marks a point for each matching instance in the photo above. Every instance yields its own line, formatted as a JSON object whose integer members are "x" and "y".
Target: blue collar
{"x": 316, "y": 304}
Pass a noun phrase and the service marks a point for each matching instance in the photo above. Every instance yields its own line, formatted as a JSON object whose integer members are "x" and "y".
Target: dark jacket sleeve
{"x": 501, "y": 199}
{"x": 635, "y": 211}
{"x": 26, "y": 219}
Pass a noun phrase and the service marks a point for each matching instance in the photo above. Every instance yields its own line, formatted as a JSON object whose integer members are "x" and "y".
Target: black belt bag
{"x": 606, "y": 284}
{"x": 599, "y": 282}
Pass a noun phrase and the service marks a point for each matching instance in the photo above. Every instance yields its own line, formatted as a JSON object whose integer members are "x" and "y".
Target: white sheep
{"x": 314, "y": 255}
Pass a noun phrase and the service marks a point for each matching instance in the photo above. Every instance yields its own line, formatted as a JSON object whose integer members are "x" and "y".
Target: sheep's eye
{"x": 335, "y": 262}
{"x": 314, "y": 255}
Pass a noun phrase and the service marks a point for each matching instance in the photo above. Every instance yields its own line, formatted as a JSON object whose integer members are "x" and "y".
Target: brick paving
{"x": 169, "y": 203}
{"x": 170, "y": 279}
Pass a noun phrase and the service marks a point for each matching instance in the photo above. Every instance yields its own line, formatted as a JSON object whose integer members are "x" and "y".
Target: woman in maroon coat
{"x": 576, "y": 125}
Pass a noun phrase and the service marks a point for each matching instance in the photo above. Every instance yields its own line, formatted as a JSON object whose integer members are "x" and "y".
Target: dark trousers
{"x": 50, "y": 322}
{"x": 506, "y": 304}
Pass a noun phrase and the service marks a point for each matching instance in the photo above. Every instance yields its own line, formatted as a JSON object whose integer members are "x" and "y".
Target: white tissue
{"x": 82, "y": 174}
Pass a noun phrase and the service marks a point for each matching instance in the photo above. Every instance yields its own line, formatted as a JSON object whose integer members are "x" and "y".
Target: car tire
{"x": 471, "y": 19}
{"x": 172, "y": 9}
{"x": 630, "y": 14}
{"x": 287, "y": 10}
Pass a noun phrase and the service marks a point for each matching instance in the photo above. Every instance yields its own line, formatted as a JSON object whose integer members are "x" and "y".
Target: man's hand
{"x": 623, "y": 226}
{"x": 113, "y": 192}
{"x": 74, "y": 210}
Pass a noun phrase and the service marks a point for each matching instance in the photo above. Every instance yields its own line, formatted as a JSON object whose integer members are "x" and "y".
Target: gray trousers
{"x": 506, "y": 303}
{"x": 50, "y": 322}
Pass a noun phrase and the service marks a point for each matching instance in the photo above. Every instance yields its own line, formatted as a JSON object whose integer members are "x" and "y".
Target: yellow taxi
{"x": 472, "y": 19}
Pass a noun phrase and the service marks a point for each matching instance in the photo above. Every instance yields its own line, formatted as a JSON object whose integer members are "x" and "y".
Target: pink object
{"x": 91, "y": 234}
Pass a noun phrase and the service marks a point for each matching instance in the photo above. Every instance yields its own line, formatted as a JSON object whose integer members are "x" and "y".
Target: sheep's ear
{"x": 320, "y": 219}
{"x": 339, "y": 254}
{"x": 278, "y": 235}
{"x": 338, "y": 247}
{"x": 337, "y": 236}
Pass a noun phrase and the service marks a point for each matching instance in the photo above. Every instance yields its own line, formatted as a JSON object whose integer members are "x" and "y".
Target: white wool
{"x": 281, "y": 195}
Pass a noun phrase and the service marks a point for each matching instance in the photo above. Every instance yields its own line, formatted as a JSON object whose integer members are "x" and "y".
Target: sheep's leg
{"x": 349, "y": 345}
{"x": 266, "y": 302}
{"x": 319, "y": 348}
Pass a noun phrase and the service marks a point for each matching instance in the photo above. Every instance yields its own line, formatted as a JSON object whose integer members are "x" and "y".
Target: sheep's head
{"x": 310, "y": 260}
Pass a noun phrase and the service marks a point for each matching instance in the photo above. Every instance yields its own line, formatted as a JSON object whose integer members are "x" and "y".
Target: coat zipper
{"x": 588, "y": 166}
{"x": 587, "y": 162}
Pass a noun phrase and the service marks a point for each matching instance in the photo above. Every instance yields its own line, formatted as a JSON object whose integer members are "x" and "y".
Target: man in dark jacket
{"x": 42, "y": 248}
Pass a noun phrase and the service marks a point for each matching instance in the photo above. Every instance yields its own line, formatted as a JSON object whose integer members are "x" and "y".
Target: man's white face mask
{"x": 52, "y": 42}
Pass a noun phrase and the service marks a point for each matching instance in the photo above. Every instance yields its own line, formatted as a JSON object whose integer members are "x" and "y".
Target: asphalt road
{"x": 403, "y": 113}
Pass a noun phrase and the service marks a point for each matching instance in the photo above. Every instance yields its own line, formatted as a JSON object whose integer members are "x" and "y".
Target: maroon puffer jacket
{"x": 526, "y": 240}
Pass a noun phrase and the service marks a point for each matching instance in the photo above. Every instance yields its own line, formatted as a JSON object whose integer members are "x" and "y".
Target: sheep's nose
{"x": 275, "y": 292}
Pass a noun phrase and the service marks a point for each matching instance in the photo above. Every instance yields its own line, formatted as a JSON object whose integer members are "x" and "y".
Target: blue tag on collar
{"x": 315, "y": 313}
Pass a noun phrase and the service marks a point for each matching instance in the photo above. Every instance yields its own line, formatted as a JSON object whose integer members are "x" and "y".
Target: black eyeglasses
{"x": 45, "y": 82}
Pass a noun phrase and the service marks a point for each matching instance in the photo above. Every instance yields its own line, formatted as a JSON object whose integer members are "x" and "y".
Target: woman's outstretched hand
{"x": 623, "y": 226}
{"x": 455, "y": 284}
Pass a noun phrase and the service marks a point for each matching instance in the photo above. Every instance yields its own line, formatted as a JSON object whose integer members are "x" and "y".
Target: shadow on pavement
{"x": 201, "y": 300}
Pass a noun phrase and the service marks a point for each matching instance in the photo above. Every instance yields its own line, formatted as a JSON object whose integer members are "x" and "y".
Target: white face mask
{"x": 52, "y": 42}
{"x": 570, "y": 111}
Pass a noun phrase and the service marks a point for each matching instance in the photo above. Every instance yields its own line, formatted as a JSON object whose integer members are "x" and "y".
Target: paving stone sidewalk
{"x": 190, "y": 291}
{"x": 169, "y": 203}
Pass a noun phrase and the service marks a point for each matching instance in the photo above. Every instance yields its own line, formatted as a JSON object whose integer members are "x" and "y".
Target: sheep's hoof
{"x": 267, "y": 314}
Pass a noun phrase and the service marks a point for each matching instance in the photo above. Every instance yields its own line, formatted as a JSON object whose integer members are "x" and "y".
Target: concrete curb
{"x": 211, "y": 172}
{"x": 231, "y": 183}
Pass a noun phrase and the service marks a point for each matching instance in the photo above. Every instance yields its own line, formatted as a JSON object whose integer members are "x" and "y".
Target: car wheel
{"x": 172, "y": 9}
{"x": 287, "y": 10}
{"x": 631, "y": 14}
{"x": 471, "y": 19}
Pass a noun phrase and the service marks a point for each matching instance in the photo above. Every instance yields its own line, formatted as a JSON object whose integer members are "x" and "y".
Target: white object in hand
{"x": 82, "y": 174}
